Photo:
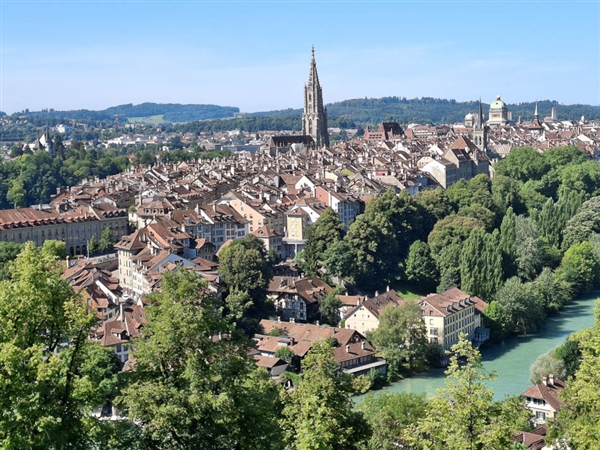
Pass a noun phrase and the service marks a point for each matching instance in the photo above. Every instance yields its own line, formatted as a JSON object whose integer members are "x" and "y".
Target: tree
{"x": 93, "y": 245}
{"x": 420, "y": 267}
{"x": 546, "y": 364}
{"x": 552, "y": 293}
{"x": 17, "y": 194}
{"x": 326, "y": 231}
{"x": 319, "y": 413}
{"x": 481, "y": 264}
{"x": 390, "y": 416}
{"x": 195, "y": 385}
{"x": 529, "y": 249}
{"x": 405, "y": 216}
{"x": 578, "y": 420}
{"x": 47, "y": 395}
{"x": 284, "y": 353}
{"x": 107, "y": 240}
{"x": 339, "y": 260}
{"x": 401, "y": 337}
{"x": 579, "y": 268}
{"x": 570, "y": 354}
{"x": 375, "y": 250}
{"x": 243, "y": 267}
{"x": 520, "y": 308}
{"x": 8, "y": 252}
{"x": 464, "y": 414}
{"x": 523, "y": 164}
{"x": 583, "y": 224}
{"x": 329, "y": 309}
{"x": 508, "y": 243}
{"x": 56, "y": 249}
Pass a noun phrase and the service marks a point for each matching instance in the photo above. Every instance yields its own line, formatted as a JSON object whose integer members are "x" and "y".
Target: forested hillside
{"x": 171, "y": 112}
{"x": 346, "y": 114}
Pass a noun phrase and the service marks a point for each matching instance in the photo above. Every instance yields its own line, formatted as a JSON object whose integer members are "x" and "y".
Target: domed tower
{"x": 498, "y": 113}
{"x": 469, "y": 120}
{"x": 314, "y": 119}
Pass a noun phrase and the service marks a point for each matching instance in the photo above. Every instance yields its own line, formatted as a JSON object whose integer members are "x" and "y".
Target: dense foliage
{"x": 526, "y": 241}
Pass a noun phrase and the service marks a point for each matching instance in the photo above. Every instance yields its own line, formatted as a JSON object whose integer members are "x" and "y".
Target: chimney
{"x": 544, "y": 381}
{"x": 551, "y": 380}
{"x": 220, "y": 336}
{"x": 278, "y": 319}
{"x": 358, "y": 301}
{"x": 388, "y": 288}
{"x": 362, "y": 345}
{"x": 347, "y": 348}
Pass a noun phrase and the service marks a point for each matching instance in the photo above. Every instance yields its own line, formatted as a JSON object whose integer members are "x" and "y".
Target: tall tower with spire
{"x": 314, "y": 118}
{"x": 480, "y": 131}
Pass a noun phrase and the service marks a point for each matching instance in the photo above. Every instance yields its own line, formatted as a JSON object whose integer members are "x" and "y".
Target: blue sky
{"x": 255, "y": 55}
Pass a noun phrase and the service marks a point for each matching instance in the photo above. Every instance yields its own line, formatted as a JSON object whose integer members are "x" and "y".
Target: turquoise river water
{"x": 512, "y": 358}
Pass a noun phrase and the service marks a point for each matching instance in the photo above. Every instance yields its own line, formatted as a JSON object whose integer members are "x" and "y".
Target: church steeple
{"x": 314, "y": 119}
{"x": 480, "y": 130}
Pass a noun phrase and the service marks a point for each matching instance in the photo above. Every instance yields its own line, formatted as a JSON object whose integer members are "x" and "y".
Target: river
{"x": 512, "y": 358}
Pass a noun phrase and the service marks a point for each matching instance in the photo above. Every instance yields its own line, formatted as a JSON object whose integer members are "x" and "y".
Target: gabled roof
{"x": 548, "y": 390}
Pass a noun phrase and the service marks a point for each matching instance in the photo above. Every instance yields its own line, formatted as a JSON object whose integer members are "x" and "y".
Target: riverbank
{"x": 512, "y": 357}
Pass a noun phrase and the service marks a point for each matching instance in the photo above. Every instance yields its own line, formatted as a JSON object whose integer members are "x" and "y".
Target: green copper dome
{"x": 498, "y": 104}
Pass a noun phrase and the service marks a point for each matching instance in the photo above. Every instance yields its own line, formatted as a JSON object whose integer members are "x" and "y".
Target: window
{"x": 540, "y": 415}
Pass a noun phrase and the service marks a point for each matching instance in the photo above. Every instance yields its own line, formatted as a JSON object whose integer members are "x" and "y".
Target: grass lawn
{"x": 410, "y": 292}
{"x": 152, "y": 120}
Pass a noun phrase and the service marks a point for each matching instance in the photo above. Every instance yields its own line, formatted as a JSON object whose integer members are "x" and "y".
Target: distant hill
{"x": 171, "y": 112}
{"x": 372, "y": 111}
{"x": 346, "y": 114}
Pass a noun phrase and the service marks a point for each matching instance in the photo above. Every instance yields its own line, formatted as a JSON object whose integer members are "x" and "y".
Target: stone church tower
{"x": 314, "y": 119}
{"x": 480, "y": 131}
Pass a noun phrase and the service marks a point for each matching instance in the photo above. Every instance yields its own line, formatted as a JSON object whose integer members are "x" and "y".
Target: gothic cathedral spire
{"x": 314, "y": 119}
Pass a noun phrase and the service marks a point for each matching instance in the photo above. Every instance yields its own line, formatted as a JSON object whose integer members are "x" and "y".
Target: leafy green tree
{"x": 284, "y": 353}
{"x": 520, "y": 308}
{"x": 506, "y": 194}
{"x": 93, "y": 245}
{"x": 584, "y": 224}
{"x": 529, "y": 248}
{"x": 194, "y": 385}
{"x": 107, "y": 241}
{"x": 481, "y": 264}
{"x": 579, "y": 268}
{"x": 56, "y": 249}
{"x": 329, "y": 309}
{"x": 508, "y": 243}
{"x": 339, "y": 260}
{"x": 420, "y": 267}
{"x": 17, "y": 194}
{"x": 8, "y": 252}
{"x": 375, "y": 250}
{"x": 553, "y": 293}
{"x": 523, "y": 164}
{"x": 435, "y": 205}
{"x": 464, "y": 414}
{"x": 578, "y": 421}
{"x": 480, "y": 212}
{"x": 401, "y": 337}
{"x": 244, "y": 267}
{"x": 570, "y": 354}
{"x": 319, "y": 413}
{"x": 546, "y": 364}
{"x": 51, "y": 377}
{"x": 327, "y": 230}
{"x": 403, "y": 213}
{"x": 390, "y": 416}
